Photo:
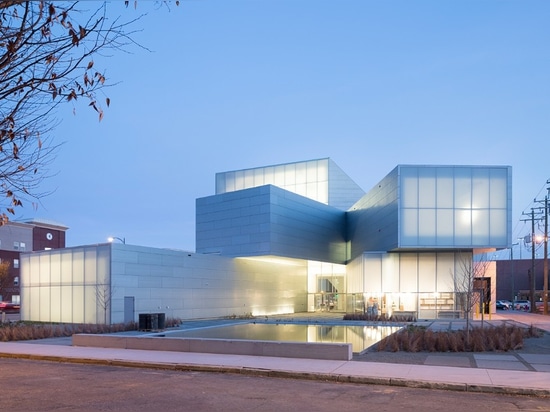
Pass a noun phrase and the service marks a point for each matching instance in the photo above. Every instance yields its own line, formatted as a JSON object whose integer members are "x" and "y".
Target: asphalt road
{"x": 49, "y": 386}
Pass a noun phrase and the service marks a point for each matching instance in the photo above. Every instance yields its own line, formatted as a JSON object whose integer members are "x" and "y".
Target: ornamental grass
{"x": 421, "y": 339}
{"x": 18, "y": 331}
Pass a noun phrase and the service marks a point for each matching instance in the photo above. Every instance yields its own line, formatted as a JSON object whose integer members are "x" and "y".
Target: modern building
{"x": 17, "y": 237}
{"x": 291, "y": 238}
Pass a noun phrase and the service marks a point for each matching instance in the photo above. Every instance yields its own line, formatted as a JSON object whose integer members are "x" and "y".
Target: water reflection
{"x": 361, "y": 337}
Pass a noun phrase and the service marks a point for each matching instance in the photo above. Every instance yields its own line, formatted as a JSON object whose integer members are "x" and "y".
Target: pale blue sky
{"x": 233, "y": 84}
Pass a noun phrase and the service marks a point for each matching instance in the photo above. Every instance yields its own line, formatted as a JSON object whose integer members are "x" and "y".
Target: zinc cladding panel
{"x": 373, "y": 220}
{"x": 271, "y": 221}
{"x": 305, "y": 229}
{"x": 235, "y": 223}
{"x": 343, "y": 192}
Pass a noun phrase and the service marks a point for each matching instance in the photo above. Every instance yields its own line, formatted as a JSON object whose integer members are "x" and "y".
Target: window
{"x": 16, "y": 281}
{"x": 16, "y": 263}
{"x": 19, "y": 246}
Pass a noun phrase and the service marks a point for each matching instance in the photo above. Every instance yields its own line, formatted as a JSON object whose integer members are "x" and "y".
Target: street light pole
{"x": 112, "y": 239}
{"x": 513, "y": 270}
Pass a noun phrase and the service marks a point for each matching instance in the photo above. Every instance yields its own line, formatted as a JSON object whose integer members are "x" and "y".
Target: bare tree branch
{"x": 46, "y": 59}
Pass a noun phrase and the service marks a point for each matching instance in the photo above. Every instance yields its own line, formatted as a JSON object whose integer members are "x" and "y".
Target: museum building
{"x": 296, "y": 237}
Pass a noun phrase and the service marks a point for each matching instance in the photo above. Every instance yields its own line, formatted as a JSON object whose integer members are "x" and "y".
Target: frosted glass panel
{"x": 248, "y": 178}
{"x": 279, "y": 175}
{"x": 239, "y": 180}
{"x": 78, "y": 302}
{"x": 220, "y": 183}
{"x": 390, "y": 273}
{"x": 66, "y": 268}
{"x": 497, "y": 224}
{"x": 312, "y": 190}
{"x": 290, "y": 174}
{"x": 66, "y": 303}
{"x": 426, "y": 226}
{"x": 269, "y": 178}
{"x": 373, "y": 273}
{"x": 301, "y": 189}
{"x": 463, "y": 227}
{"x": 463, "y": 188}
{"x": 259, "y": 179}
{"x": 445, "y": 272}
{"x": 409, "y": 188}
{"x": 445, "y": 188}
{"x": 78, "y": 266}
{"x": 498, "y": 188}
{"x": 322, "y": 192}
{"x": 409, "y": 226}
{"x": 445, "y": 227}
{"x": 312, "y": 171}
{"x": 426, "y": 272}
{"x": 408, "y": 266}
{"x": 301, "y": 173}
{"x": 322, "y": 169}
{"x": 45, "y": 303}
{"x": 230, "y": 182}
{"x": 480, "y": 227}
{"x": 426, "y": 188}
{"x": 55, "y": 297}
{"x": 44, "y": 269}
{"x": 480, "y": 189}
{"x": 90, "y": 269}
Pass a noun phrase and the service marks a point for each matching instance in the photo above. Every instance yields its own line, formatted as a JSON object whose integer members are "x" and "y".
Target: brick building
{"x": 17, "y": 237}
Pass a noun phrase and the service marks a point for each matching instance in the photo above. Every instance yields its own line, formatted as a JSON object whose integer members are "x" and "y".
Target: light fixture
{"x": 113, "y": 238}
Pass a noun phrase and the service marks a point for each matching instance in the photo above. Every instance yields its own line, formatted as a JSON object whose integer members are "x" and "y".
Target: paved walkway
{"x": 488, "y": 376}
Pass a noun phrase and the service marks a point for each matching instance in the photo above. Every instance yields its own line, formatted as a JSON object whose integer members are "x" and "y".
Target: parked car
{"x": 504, "y": 305}
{"x": 522, "y": 305}
{"x": 9, "y": 307}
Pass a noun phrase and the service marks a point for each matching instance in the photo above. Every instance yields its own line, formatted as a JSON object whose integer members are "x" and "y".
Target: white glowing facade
{"x": 292, "y": 238}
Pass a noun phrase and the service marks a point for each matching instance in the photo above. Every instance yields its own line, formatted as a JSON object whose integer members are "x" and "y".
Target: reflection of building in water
{"x": 288, "y": 238}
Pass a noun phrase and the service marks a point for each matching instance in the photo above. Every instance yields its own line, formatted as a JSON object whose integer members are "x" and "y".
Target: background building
{"x": 17, "y": 237}
{"x": 293, "y": 238}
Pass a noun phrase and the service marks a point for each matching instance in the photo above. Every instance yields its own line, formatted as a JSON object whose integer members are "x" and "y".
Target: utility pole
{"x": 532, "y": 285}
{"x": 545, "y": 259}
{"x": 532, "y": 270}
{"x": 545, "y": 288}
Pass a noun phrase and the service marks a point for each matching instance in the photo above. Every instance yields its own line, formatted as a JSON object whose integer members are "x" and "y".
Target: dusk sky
{"x": 235, "y": 84}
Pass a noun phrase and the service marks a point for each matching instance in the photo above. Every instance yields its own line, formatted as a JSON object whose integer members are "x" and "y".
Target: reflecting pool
{"x": 360, "y": 337}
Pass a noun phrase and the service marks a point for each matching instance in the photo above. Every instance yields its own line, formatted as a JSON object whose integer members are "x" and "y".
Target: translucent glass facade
{"x": 454, "y": 206}
{"x": 321, "y": 180}
{"x": 67, "y": 285}
{"x": 309, "y": 179}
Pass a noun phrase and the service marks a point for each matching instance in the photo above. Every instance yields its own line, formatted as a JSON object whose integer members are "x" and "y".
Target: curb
{"x": 325, "y": 377}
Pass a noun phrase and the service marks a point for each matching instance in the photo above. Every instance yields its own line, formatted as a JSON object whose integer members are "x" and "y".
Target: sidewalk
{"x": 483, "y": 378}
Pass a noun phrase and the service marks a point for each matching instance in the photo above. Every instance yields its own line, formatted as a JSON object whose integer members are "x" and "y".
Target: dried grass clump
{"x": 18, "y": 331}
{"x": 416, "y": 339}
{"x": 369, "y": 317}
